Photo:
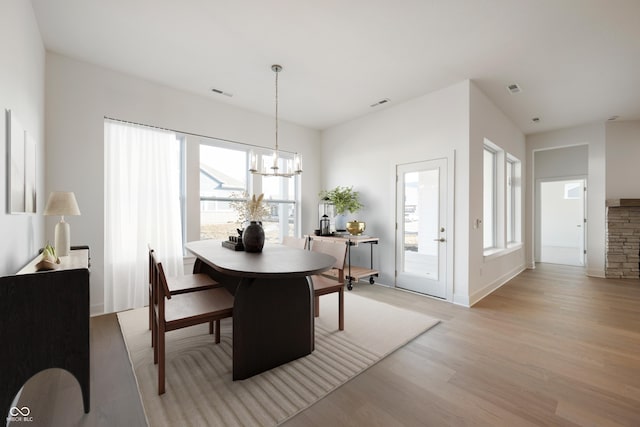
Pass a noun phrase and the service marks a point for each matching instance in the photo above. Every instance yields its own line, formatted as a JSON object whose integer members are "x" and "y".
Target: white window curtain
{"x": 142, "y": 207}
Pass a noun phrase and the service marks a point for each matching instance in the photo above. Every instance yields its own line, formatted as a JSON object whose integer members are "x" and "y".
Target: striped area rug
{"x": 199, "y": 389}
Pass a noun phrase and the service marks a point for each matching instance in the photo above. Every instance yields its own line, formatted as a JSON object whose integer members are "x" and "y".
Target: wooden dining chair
{"x": 323, "y": 284}
{"x": 295, "y": 242}
{"x": 179, "y": 285}
{"x": 178, "y": 311}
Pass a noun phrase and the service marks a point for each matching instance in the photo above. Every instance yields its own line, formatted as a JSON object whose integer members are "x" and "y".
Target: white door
{"x": 562, "y": 221}
{"x": 421, "y": 198}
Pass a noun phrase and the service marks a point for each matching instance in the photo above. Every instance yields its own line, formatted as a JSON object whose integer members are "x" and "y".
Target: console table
{"x": 44, "y": 323}
{"x": 354, "y": 273}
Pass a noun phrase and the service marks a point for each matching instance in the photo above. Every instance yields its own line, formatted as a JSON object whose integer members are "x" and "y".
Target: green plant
{"x": 49, "y": 254}
{"x": 343, "y": 198}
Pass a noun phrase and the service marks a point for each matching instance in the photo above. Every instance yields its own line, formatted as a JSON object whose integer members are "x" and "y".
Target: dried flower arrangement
{"x": 250, "y": 208}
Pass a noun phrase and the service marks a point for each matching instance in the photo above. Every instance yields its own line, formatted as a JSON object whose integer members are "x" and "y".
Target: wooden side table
{"x": 354, "y": 273}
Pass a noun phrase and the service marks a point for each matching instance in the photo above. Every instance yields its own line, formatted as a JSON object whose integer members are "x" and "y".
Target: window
{"x": 224, "y": 177}
{"x": 502, "y": 199}
{"x": 573, "y": 191}
{"x": 281, "y": 195}
{"x": 489, "y": 198}
{"x": 513, "y": 200}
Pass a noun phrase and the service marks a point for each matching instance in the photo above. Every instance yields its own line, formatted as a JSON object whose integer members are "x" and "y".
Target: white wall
{"x": 592, "y": 135}
{"x": 561, "y": 162}
{"x": 623, "y": 153}
{"x": 364, "y": 152}
{"x": 22, "y": 68}
{"x": 487, "y": 121}
{"x": 79, "y": 95}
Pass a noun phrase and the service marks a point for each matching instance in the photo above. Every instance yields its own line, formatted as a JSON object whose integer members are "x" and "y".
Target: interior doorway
{"x": 562, "y": 221}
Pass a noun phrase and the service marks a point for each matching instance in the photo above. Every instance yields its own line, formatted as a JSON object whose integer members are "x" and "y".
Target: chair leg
{"x": 154, "y": 340}
{"x": 217, "y": 331}
{"x": 152, "y": 320}
{"x": 210, "y": 328}
{"x": 161, "y": 360}
{"x": 316, "y": 306}
{"x": 341, "y": 309}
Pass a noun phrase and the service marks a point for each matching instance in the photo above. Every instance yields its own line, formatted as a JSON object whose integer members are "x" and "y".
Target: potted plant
{"x": 343, "y": 199}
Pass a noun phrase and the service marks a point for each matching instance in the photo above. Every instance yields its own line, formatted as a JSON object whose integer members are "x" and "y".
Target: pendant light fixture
{"x": 273, "y": 165}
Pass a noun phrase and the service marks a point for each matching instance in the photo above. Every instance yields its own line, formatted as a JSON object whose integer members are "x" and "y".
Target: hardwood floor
{"x": 551, "y": 347}
{"x": 54, "y": 396}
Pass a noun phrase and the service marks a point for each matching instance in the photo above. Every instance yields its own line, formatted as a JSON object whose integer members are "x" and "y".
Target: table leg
{"x": 272, "y": 324}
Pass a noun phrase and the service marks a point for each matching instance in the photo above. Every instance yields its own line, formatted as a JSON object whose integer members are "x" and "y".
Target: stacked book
{"x": 234, "y": 242}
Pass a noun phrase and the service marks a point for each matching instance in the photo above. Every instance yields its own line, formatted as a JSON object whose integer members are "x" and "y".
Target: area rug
{"x": 199, "y": 389}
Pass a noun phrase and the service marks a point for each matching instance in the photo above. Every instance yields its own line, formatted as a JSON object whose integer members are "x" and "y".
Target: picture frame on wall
{"x": 21, "y": 167}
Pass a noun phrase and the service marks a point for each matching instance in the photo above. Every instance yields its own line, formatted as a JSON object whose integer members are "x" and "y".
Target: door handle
{"x": 439, "y": 240}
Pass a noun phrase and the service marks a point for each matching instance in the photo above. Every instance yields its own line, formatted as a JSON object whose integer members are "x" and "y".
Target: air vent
{"x": 513, "y": 88}
{"x": 220, "y": 92}
{"x": 382, "y": 101}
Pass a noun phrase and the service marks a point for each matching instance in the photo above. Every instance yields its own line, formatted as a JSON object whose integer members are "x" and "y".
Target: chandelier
{"x": 274, "y": 165}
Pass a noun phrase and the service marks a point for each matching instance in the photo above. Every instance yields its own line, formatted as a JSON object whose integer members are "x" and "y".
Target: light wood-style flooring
{"x": 552, "y": 347}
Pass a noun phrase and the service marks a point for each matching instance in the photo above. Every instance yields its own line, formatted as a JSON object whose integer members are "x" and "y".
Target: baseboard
{"x": 96, "y": 309}
{"x": 496, "y": 284}
{"x": 596, "y": 273}
{"x": 462, "y": 300}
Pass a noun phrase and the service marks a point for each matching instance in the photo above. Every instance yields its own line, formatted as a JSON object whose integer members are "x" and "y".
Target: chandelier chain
{"x": 274, "y": 169}
{"x": 277, "y": 72}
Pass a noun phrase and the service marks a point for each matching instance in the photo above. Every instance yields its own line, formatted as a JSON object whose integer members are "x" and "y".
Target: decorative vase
{"x": 356, "y": 228}
{"x": 253, "y": 237}
{"x": 341, "y": 222}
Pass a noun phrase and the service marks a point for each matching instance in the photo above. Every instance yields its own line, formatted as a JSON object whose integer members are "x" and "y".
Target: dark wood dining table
{"x": 273, "y": 319}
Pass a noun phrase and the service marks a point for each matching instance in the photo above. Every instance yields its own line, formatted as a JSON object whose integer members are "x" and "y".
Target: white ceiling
{"x": 577, "y": 61}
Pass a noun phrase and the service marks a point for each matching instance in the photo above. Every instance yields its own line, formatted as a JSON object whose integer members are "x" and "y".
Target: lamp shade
{"x": 62, "y": 203}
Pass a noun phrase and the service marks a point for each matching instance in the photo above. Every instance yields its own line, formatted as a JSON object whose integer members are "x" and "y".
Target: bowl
{"x": 355, "y": 228}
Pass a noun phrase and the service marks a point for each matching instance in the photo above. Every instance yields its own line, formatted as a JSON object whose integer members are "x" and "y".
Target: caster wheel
{"x": 371, "y": 280}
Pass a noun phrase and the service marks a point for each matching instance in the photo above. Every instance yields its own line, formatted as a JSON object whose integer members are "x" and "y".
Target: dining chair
{"x": 178, "y": 311}
{"x": 323, "y": 284}
{"x": 179, "y": 285}
{"x": 295, "y": 242}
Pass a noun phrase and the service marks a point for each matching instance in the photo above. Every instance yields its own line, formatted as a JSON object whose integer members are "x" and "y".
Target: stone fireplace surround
{"x": 623, "y": 239}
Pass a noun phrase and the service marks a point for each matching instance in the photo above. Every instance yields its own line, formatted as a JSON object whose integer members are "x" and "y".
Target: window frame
{"x": 514, "y": 198}
{"x": 506, "y": 204}
{"x": 253, "y": 184}
{"x": 489, "y": 218}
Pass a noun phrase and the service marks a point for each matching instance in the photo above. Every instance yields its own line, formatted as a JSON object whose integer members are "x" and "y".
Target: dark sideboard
{"x": 44, "y": 323}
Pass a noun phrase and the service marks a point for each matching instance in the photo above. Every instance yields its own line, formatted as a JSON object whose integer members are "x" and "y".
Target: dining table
{"x": 273, "y": 312}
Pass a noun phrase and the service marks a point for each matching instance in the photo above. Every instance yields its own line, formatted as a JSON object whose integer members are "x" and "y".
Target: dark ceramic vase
{"x": 253, "y": 237}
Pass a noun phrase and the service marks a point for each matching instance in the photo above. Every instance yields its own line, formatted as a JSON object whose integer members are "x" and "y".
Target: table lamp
{"x": 62, "y": 203}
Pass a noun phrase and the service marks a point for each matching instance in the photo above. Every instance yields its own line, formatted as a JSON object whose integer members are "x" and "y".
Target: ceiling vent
{"x": 382, "y": 101}
{"x": 513, "y": 88}
{"x": 220, "y": 92}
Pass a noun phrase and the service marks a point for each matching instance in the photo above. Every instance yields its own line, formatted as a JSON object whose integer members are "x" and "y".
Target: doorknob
{"x": 439, "y": 240}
